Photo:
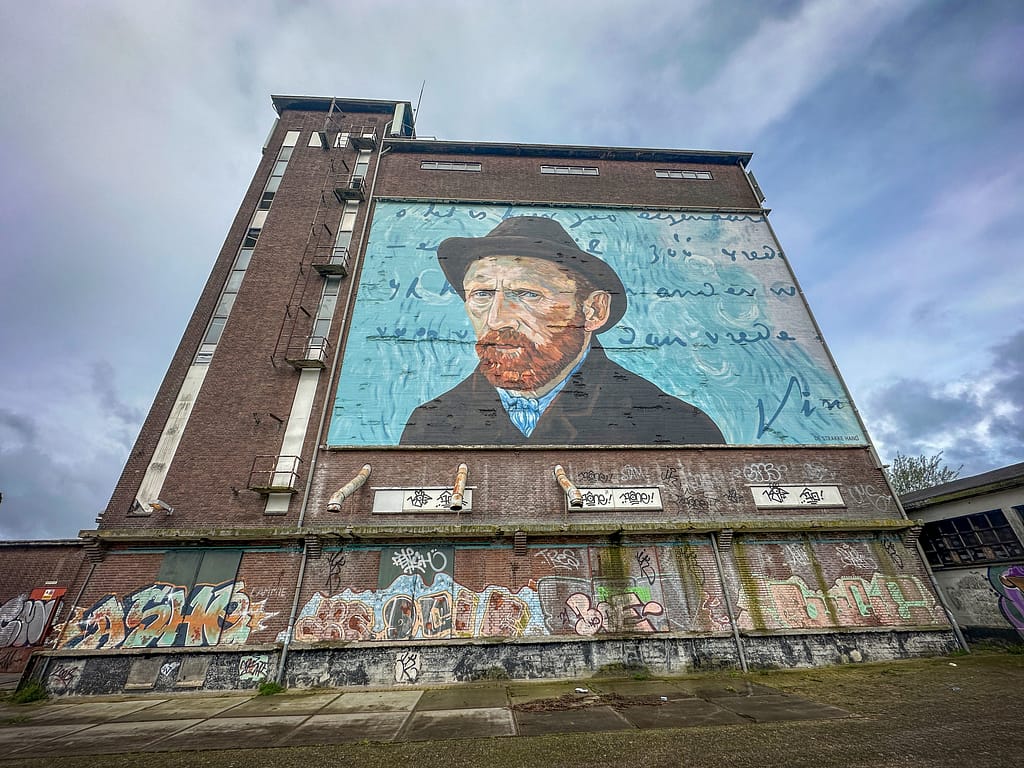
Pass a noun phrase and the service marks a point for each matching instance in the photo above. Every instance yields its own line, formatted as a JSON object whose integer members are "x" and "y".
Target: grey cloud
{"x": 20, "y": 429}
{"x": 916, "y": 407}
{"x": 110, "y": 401}
{"x": 915, "y": 415}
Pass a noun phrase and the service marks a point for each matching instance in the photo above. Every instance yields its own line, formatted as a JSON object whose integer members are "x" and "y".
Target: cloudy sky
{"x": 888, "y": 137}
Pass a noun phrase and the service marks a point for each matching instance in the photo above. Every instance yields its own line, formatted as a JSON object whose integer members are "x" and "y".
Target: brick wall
{"x": 26, "y": 619}
{"x": 711, "y": 485}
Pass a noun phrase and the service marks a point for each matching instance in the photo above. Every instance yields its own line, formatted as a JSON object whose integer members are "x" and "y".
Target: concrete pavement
{"x": 161, "y": 723}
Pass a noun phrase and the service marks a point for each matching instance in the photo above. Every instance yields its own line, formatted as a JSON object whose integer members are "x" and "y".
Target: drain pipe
{"x": 459, "y": 490}
{"x": 575, "y": 497}
{"x": 728, "y": 604}
{"x": 323, "y": 415}
{"x": 279, "y": 677}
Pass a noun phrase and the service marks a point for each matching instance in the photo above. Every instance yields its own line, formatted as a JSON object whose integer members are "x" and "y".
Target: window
{"x": 362, "y": 163}
{"x": 676, "y": 174}
{"x": 252, "y": 234}
{"x": 985, "y": 537}
{"x": 342, "y": 141}
{"x": 569, "y": 170}
{"x": 445, "y": 165}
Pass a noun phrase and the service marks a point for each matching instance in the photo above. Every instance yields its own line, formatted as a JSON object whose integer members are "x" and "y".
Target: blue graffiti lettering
{"x": 665, "y": 293}
{"x": 665, "y": 341}
{"x": 761, "y": 334}
{"x": 794, "y": 385}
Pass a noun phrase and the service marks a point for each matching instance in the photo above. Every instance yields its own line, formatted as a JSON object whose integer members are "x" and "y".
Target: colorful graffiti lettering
{"x": 1008, "y": 582}
{"x": 24, "y": 621}
{"x": 164, "y": 615}
{"x": 335, "y": 619}
{"x": 408, "y": 609}
{"x": 851, "y": 601}
{"x": 253, "y": 669}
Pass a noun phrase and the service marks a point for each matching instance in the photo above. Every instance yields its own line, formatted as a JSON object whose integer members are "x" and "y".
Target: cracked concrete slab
{"x": 478, "y": 723}
{"x": 589, "y": 720}
{"x": 767, "y": 709}
{"x": 342, "y": 728}
{"x": 92, "y": 711}
{"x": 285, "y": 704}
{"x": 644, "y": 688}
{"x": 15, "y": 737}
{"x": 683, "y": 713}
{"x": 709, "y": 689}
{"x": 525, "y": 693}
{"x": 108, "y": 738}
{"x": 231, "y": 733}
{"x": 373, "y": 701}
{"x": 185, "y": 708}
{"x": 463, "y": 698}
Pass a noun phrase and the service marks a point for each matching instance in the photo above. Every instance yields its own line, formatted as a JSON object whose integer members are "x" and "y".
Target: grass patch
{"x": 31, "y": 691}
{"x": 269, "y": 688}
{"x": 491, "y": 673}
{"x": 620, "y": 669}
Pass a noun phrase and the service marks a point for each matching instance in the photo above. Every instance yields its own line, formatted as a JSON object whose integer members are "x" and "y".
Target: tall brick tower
{"x": 445, "y": 407}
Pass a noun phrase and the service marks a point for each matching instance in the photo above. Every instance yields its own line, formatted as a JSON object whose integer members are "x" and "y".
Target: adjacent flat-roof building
{"x": 973, "y": 536}
{"x": 445, "y": 407}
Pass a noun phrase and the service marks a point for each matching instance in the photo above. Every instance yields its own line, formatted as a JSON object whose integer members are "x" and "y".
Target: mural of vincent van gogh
{"x": 503, "y": 325}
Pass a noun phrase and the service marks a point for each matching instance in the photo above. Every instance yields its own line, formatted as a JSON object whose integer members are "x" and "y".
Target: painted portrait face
{"x": 529, "y": 322}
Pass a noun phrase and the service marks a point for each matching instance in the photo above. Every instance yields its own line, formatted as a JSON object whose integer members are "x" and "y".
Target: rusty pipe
{"x": 353, "y": 485}
{"x": 575, "y": 497}
{"x": 460, "y": 488}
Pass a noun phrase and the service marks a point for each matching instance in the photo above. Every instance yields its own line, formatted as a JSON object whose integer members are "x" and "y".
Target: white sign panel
{"x": 417, "y": 500}
{"x": 613, "y": 499}
{"x": 775, "y": 495}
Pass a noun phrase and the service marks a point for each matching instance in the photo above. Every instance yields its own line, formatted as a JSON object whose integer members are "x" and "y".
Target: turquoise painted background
{"x": 714, "y": 319}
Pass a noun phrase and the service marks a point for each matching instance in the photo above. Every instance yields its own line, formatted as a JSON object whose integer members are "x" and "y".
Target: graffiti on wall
{"x": 630, "y": 590}
{"x": 165, "y": 615}
{"x": 1008, "y": 582}
{"x": 674, "y": 308}
{"x": 63, "y": 677}
{"x": 24, "y": 619}
{"x": 253, "y": 669}
{"x": 831, "y": 584}
{"x": 849, "y": 602}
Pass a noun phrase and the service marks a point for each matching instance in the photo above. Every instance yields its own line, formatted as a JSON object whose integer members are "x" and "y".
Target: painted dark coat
{"x": 601, "y": 404}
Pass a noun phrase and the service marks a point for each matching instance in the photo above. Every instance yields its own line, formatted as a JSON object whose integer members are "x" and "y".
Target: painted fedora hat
{"x": 534, "y": 237}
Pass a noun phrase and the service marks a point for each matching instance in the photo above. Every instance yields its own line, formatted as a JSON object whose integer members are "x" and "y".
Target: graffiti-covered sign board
{"x": 515, "y": 325}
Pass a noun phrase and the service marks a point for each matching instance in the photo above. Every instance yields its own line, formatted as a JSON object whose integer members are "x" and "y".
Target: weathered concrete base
{"x": 393, "y": 665}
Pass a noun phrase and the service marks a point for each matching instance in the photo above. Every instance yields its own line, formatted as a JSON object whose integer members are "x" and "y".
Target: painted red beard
{"x": 512, "y": 361}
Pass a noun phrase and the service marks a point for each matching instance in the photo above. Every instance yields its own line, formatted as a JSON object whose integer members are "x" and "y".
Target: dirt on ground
{"x": 585, "y": 701}
{"x": 948, "y": 712}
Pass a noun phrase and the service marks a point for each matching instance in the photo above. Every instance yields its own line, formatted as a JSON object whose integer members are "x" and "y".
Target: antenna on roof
{"x": 416, "y": 111}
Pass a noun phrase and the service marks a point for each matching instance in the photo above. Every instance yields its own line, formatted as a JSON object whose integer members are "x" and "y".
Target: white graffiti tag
{"x": 560, "y": 558}
{"x": 852, "y": 557}
{"x": 412, "y": 561}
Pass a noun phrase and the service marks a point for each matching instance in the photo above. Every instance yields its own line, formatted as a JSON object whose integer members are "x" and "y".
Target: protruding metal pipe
{"x": 460, "y": 487}
{"x": 575, "y": 497}
{"x": 353, "y": 485}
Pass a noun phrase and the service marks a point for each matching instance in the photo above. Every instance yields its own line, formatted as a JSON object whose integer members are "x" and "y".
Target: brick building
{"x": 448, "y": 408}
